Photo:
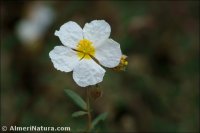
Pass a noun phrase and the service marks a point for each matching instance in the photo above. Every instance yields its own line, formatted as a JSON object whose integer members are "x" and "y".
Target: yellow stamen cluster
{"x": 122, "y": 65}
{"x": 85, "y": 49}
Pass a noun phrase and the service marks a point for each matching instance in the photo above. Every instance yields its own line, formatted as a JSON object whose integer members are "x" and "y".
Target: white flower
{"x": 83, "y": 48}
{"x": 32, "y": 28}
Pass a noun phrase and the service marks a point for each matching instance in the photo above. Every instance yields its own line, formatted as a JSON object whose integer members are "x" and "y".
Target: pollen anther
{"x": 85, "y": 49}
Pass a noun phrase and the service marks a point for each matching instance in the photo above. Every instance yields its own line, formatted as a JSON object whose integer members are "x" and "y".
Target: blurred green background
{"x": 158, "y": 92}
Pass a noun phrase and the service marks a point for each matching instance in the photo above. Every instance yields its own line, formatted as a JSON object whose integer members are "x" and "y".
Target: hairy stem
{"x": 88, "y": 110}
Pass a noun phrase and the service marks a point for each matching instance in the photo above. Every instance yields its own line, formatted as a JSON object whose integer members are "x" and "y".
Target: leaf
{"x": 77, "y": 99}
{"x": 99, "y": 118}
{"x": 79, "y": 113}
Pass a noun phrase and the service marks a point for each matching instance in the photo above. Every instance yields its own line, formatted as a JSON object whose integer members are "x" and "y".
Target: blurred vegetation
{"x": 159, "y": 91}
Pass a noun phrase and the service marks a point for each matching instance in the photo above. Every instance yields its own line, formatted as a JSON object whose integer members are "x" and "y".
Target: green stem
{"x": 88, "y": 110}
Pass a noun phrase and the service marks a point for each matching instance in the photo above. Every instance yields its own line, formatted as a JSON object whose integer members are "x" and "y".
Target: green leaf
{"x": 99, "y": 118}
{"x": 78, "y": 113}
{"x": 77, "y": 99}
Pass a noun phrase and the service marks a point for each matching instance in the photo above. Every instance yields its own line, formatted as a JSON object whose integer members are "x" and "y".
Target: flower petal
{"x": 87, "y": 72}
{"x": 109, "y": 53}
{"x": 63, "y": 58}
{"x": 97, "y": 31}
{"x": 70, "y": 34}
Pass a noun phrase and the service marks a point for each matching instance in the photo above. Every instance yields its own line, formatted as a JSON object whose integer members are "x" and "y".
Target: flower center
{"x": 85, "y": 49}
